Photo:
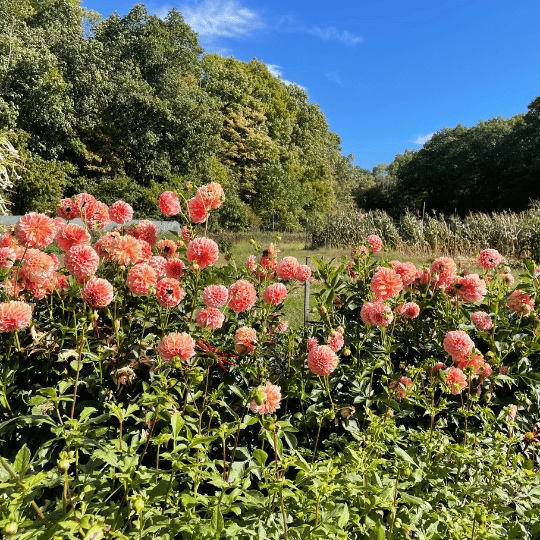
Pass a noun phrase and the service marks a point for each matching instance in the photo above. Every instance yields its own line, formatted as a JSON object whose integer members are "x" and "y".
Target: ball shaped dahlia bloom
{"x": 242, "y": 296}
{"x": 211, "y": 195}
{"x": 458, "y": 344}
{"x": 197, "y": 210}
{"x": 141, "y": 278}
{"x": 271, "y": 398}
{"x": 286, "y": 268}
{"x": 443, "y": 266}
{"x": 489, "y": 258}
{"x": 169, "y": 203}
{"x": 381, "y": 314}
{"x": 482, "y": 320}
{"x": 38, "y": 267}
{"x": 166, "y": 248}
{"x": 386, "y": 283}
{"x": 35, "y": 230}
{"x": 215, "y": 296}
{"x": 68, "y": 209}
{"x": 470, "y": 288}
{"x": 335, "y": 340}
{"x": 322, "y": 360}
{"x": 158, "y": 264}
{"x": 411, "y": 310}
{"x": 72, "y": 235}
{"x": 81, "y": 261}
{"x": 124, "y": 250}
{"x": 98, "y": 292}
{"x": 245, "y": 340}
{"x": 7, "y": 257}
{"x": 375, "y": 242}
{"x": 407, "y": 272}
{"x": 175, "y": 268}
{"x": 14, "y": 315}
{"x": 275, "y": 293}
{"x": 456, "y": 380}
{"x": 120, "y": 212}
{"x": 520, "y": 302}
{"x": 175, "y": 344}
{"x": 169, "y": 293}
{"x": 210, "y": 318}
{"x": 202, "y": 251}
{"x": 303, "y": 273}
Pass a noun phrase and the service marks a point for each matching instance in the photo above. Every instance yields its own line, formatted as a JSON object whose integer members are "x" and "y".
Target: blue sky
{"x": 386, "y": 73}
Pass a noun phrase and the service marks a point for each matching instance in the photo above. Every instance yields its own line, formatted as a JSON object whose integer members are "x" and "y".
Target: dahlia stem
{"x": 78, "y": 371}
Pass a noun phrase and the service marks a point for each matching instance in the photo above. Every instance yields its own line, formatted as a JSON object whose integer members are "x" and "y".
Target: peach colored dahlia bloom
{"x": 271, "y": 399}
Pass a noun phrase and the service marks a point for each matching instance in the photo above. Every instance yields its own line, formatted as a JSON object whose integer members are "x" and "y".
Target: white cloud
{"x": 332, "y": 33}
{"x": 276, "y": 72}
{"x": 425, "y": 139}
{"x": 221, "y": 18}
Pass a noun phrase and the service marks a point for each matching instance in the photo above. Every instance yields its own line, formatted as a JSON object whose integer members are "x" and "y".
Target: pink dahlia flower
{"x": 335, "y": 341}
{"x": 141, "y": 278}
{"x": 175, "y": 268}
{"x": 407, "y": 272}
{"x": 166, "y": 248}
{"x": 121, "y": 212}
{"x": 402, "y": 387}
{"x": 271, "y": 399}
{"x": 202, "y": 251}
{"x": 286, "y": 268}
{"x": 482, "y": 320}
{"x": 158, "y": 264}
{"x": 275, "y": 293}
{"x": 470, "y": 288}
{"x": 87, "y": 205}
{"x": 7, "y": 257}
{"x": 456, "y": 380}
{"x": 97, "y": 292}
{"x": 520, "y": 302}
{"x": 242, "y": 296}
{"x": 124, "y": 250}
{"x": 245, "y": 340}
{"x": 386, "y": 283}
{"x": 215, "y": 296}
{"x": 35, "y": 230}
{"x": 458, "y": 344}
{"x": 175, "y": 344}
{"x": 489, "y": 258}
{"x": 81, "y": 261}
{"x": 411, "y": 310}
{"x": 210, "y": 318}
{"x": 443, "y": 266}
{"x": 38, "y": 267}
{"x": 169, "y": 293}
{"x": 14, "y": 316}
{"x": 187, "y": 234}
{"x": 359, "y": 252}
{"x": 211, "y": 195}
{"x": 303, "y": 273}
{"x": 312, "y": 343}
{"x": 322, "y": 360}
{"x": 169, "y": 203}
{"x": 197, "y": 210}
{"x": 68, "y": 209}
{"x": 375, "y": 242}
{"x": 72, "y": 235}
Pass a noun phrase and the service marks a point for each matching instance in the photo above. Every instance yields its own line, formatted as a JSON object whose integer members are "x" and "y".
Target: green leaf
{"x": 378, "y": 532}
{"x": 217, "y": 522}
{"x": 177, "y": 423}
{"x": 260, "y": 456}
{"x": 344, "y": 518}
{"x": 22, "y": 460}
{"x": 403, "y": 455}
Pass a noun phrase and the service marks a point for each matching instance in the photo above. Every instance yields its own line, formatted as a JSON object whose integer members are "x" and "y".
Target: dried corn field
{"x": 513, "y": 235}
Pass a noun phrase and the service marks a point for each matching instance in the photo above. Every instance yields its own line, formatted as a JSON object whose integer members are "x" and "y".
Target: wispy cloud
{"x": 333, "y": 76}
{"x": 221, "y": 18}
{"x": 276, "y": 72}
{"x": 424, "y": 139}
{"x": 332, "y": 33}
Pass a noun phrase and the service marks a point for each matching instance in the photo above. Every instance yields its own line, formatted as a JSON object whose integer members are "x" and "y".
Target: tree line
{"x": 129, "y": 106}
{"x": 492, "y": 166}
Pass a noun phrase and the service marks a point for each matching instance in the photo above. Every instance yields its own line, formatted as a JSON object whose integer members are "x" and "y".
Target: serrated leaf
{"x": 217, "y": 522}
{"x": 22, "y": 460}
